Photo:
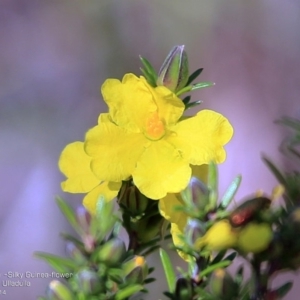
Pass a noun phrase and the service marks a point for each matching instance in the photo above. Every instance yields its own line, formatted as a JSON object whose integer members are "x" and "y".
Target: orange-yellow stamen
{"x": 155, "y": 128}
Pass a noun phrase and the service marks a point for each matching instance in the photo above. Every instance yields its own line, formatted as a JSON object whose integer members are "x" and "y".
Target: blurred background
{"x": 54, "y": 55}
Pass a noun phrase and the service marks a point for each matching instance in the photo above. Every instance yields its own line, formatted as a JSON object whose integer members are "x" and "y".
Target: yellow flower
{"x": 143, "y": 136}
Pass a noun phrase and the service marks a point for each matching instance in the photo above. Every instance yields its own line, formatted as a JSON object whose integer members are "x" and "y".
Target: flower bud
{"x": 184, "y": 289}
{"x": 196, "y": 194}
{"x": 83, "y": 218}
{"x": 89, "y": 282}
{"x": 112, "y": 252}
{"x": 248, "y": 210}
{"x": 74, "y": 252}
{"x": 148, "y": 228}
{"x": 255, "y": 237}
{"x": 136, "y": 269}
{"x": 58, "y": 291}
{"x": 174, "y": 72}
{"x": 222, "y": 285}
{"x": 133, "y": 200}
{"x": 194, "y": 230}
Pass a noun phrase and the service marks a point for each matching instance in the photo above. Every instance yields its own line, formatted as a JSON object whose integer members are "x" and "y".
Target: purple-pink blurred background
{"x": 54, "y": 55}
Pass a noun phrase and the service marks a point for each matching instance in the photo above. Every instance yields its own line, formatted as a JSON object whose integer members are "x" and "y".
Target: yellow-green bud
{"x": 112, "y": 252}
{"x": 89, "y": 282}
{"x": 136, "y": 269}
{"x": 58, "y": 291}
{"x": 255, "y": 237}
{"x": 222, "y": 285}
{"x": 174, "y": 72}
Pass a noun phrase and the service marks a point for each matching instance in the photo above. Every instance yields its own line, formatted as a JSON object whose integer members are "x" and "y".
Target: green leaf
{"x": 290, "y": 122}
{"x": 149, "y": 68}
{"x": 194, "y": 75}
{"x": 231, "y": 256}
{"x": 219, "y": 257}
{"x": 202, "y": 85}
{"x": 192, "y": 104}
{"x": 277, "y": 173}
{"x": 211, "y": 268}
{"x": 212, "y": 184}
{"x": 69, "y": 213}
{"x": 230, "y": 192}
{"x": 60, "y": 264}
{"x": 186, "y": 99}
{"x": 148, "y": 77}
{"x": 194, "y": 87}
{"x": 284, "y": 289}
{"x": 128, "y": 291}
{"x": 168, "y": 268}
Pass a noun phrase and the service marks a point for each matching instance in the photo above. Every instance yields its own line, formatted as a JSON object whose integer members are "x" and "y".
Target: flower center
{"x": 155, "y": 128}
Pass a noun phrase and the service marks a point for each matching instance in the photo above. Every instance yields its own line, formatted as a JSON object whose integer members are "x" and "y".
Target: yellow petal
{"x": 166, "y": 208}
{"x": 75, "y": 164}
{"x": 129, "y": 101}
{"x": 170, "y": 107}
{"x": 109, "y": 190}
{"x": 201, "y": 138}
{"x": 161, "y": 170}
{"x": 114, "y": 151}
{"x": 176, "y": 232}
{"x": 255, "y": 237}
{"x": 201, "y": 172}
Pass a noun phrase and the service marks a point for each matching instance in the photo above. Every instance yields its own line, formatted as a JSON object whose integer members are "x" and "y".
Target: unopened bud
{"x": 58, "y": 291}
{"x": 184, "y": 289}
{"x": 222, "y": 285}
{"x": 83, "y": 219}
{"x": 174, "y": 72}
{"x": 194, "y": 230}
{"x": 112, "y": 252}
{"x": 136, "y": 269}
{"x": 89, "y": 282}
{"x": 255, "y": 237}
{"x": 75, "y": 253}
{"x": 133, "y": 200}
{"x": 196, "y": 194}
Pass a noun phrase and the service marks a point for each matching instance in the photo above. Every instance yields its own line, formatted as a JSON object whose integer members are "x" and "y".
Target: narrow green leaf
{"x": 279, "y": 176}
{"x": 290, "y": 122}
{"x": 128, "y": 291}
{"x": 231, "y": 256}
{"x": 149, "y": 67}
{"x": 168, "y": 268}
{"x": 194, "y": 75}
{"x": 149, "y": 77}
{"x": 211, "y": 268}
{"x": 192, "y": 104}
{"x": 284, "y": 289}
{"x": 212, "y": 184}
{"x": 68, "y": 212}
{"x": 202, "y": 85}
{"x": 230, "y": 192}
{"x": 60, "y": 264}
{"x": 149, "y": 280}
{"x": 219, "y": 257}
{"x": 186, "y": 99}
